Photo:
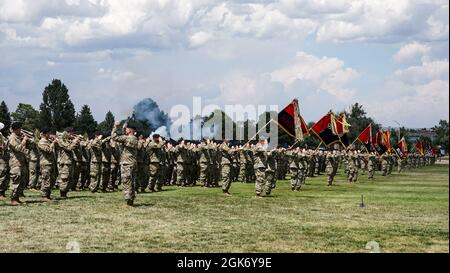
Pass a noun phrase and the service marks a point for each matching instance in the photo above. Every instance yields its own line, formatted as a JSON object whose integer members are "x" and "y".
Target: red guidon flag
{"x": 379, "y": 142}
{"x": 341, "y": 128}
{"x": 366, "y": 135}
{"x": 419, "y": 147}
{"x": 291, "y": 122}
{"x": 387, "y": 139}
{"x": 401, "y": 147}
{"x": 324, "y": 130}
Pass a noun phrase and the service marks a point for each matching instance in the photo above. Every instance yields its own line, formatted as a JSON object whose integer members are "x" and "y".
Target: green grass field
{"x": 404, "y": 213}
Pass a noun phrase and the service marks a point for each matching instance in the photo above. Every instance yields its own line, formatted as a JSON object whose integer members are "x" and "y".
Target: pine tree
{"x": 5, "y": 117}
{"x": 27, "y": 115}
{"x": 108, "y": 123}
{"x": 57, "y": 110}
{"x": 85, "y": 122}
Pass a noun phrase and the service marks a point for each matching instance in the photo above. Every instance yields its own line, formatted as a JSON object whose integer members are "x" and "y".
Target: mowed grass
{"x": 405, "y": 212}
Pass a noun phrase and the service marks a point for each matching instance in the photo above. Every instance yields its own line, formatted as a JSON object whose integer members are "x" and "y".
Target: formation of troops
{"x": 71, "y": 162}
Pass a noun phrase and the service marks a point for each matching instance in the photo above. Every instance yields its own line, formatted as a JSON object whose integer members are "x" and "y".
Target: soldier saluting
{"x": 17, "y": 162}
{"x": 128, "y": 160}
{"x": 47, "y": 161}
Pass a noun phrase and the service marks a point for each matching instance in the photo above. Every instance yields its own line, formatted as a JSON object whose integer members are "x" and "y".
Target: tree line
{"x": 58, "y": 112}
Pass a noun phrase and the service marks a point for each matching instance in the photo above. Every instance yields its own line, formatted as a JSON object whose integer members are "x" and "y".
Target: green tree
{"x": 27, "y": 115}
{"x": 5, "y": 116}
{"x": 85, "y": 122}
{"x": 359, "y": 121}
{"x": 56, "y": 110}
{"x": 442, "y": 135}
{"x": 108, "y": 123}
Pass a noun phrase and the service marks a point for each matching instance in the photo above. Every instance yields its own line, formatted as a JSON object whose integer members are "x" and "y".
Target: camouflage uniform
{"x": 205, "y": 162}
{"x": 293, "y": 167}
{"x": 47, "y": 172}
{"x": 65, "y": 164}
{"x": 34, "y": 166}
{"x": 352, "y": 167}
{"x": 271, "y": 178}
{"x": 155, "y": 167}
{"x": 172, "y": 166}
{"x": 17, "y": 165}
{"x": 143, "y": 175}
{"x": 106, "y": 164}
{"x": 95, "y": 148}
{"x": 235, "y": 165}
{"x": 115, "y": 165}
{"x": 128, "y": 162}
{"x": 78, "y": 159}
{"x": 260, "y": 166}
{"x": 371, "y": 164}
{"x": 4, "y": 166}
{"x": 180, "y": 152}
{"x": 400, "y": 163}
{"x": 311, "y": 163}
{"x": 330, "y": 162}
{"x": 302, "y": 167}
{"x": 242, "y": 168}
{"x": 384, "y": 164}
{"x": 226, "y": 162}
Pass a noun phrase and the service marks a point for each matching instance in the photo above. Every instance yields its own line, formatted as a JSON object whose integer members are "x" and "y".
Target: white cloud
{"x": 417, "y": 95}
{"x": 238, "y": 51}
{"x": 412, "y": 53}
{"x": 326, "y": 74}
{"x": 116, "y": 75}
{"x": 198, "y": 39}
{"x": 427, "y": 71}
{"x": 175, "y": 23}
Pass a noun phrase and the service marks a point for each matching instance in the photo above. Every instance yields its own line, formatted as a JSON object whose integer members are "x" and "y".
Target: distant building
{"x": 414, "y": 134}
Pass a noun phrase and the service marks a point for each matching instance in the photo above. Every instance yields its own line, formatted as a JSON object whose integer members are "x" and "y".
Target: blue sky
{"x": 391, "y": 56}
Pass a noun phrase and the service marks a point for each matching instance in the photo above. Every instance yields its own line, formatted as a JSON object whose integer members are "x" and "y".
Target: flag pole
{"x": 290, "y": 147}
{"x": 351, "y": 144}
{"x": 320, "y": 144}
{"x": 258, "y": 132}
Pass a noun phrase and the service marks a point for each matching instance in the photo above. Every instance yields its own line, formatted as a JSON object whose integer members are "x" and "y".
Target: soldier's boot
{"x": 63, "y": 194}
{"x": 15, "y": 201}
{"x": 130, "y": 203}
{"x": 226, "y": 192}
{"x": 46, "y": 198}
{"x": 2, "y": 196}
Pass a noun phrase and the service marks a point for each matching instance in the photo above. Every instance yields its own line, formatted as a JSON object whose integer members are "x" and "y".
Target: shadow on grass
{"x": 73, "y": 197}
{"x": 143, "y": 205}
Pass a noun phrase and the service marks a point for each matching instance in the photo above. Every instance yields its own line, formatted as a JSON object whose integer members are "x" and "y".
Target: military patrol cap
{"x": 132, "y": 127}
{"x": 16, "y": 125}
{"x": 45, "y": 130}
{"x": 69, "y": 130}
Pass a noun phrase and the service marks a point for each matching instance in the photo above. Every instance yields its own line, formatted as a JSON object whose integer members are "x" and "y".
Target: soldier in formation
{"x": 69, "y": 162}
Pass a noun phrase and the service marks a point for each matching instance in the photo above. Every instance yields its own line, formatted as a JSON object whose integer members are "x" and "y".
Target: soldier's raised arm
{"x": 118, "y": 138}
{"x": 17, "y": 146}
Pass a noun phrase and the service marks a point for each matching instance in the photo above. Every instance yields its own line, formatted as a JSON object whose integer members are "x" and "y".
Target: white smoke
{"x": 149, "y": 111}
{"x": 162, "y": 131}
{"x": 194, "y": 131}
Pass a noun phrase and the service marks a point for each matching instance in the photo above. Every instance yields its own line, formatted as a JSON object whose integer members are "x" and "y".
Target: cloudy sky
{"x": 391, "y": 56}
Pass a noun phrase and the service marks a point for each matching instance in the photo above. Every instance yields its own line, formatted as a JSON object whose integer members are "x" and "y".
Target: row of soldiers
{"x": 71, "y": 162}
